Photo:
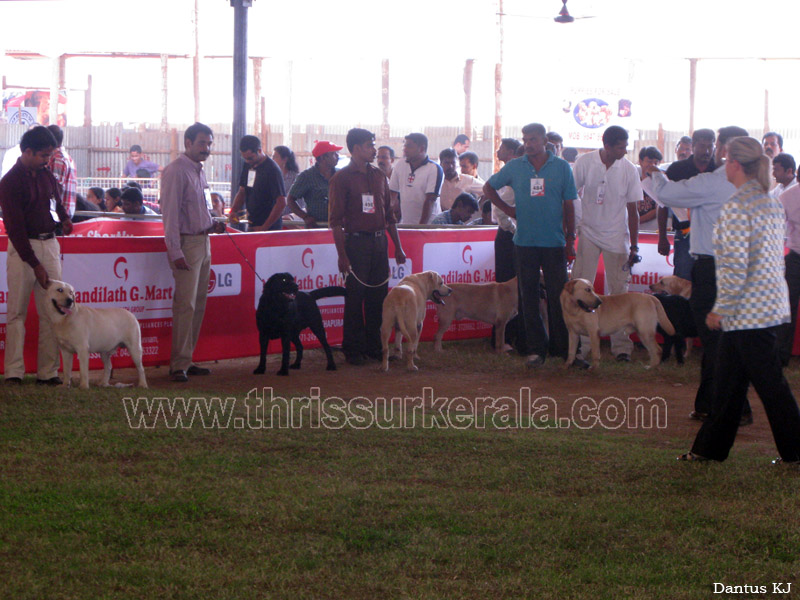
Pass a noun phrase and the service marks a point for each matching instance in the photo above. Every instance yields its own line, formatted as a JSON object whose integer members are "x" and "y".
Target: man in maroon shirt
{"x": 31, "y": 203}
{"x": 360, "y": 215}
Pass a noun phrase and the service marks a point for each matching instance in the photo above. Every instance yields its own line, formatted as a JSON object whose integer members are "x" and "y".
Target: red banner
{"x": 111, "y": 264}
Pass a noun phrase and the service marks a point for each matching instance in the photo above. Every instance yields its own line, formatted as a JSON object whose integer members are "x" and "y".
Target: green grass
{"x": 90, "y": 508}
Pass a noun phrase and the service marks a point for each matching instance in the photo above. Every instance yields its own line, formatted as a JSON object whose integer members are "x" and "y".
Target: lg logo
{"x": 121, "y": 272}
{"x": 308, "y": 252}
{"x": 466, "y": 255}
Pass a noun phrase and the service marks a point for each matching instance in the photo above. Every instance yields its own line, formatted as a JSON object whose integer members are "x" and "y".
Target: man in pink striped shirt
{"x": 63, "y": 168}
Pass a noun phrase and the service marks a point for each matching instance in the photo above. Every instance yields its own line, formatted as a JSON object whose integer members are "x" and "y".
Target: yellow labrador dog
{"x": 493, "y": 303}
{"x": 673, "y": 285}
{"x": 404, "y": 311}
{"x": 586, "y": 313}
{"x": 80, "y": 330}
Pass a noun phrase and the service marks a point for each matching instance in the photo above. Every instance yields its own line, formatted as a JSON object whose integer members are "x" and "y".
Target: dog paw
{"x": 283, "y": 372}
{"x": 259, "y": 371}
{"x": 294, "y": 366}
{"x": 123, "y": 385}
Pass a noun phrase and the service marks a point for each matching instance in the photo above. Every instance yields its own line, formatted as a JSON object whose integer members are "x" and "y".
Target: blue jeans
{"x": 681, "y": 258}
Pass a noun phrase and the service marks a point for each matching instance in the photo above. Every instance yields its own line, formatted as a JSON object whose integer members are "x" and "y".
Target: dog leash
{"x": 353, "y": 273}
{"x": 346, "y": 275}
{"x": 235, "y": 245}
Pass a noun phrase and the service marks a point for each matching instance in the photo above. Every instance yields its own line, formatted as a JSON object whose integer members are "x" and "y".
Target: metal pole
{"x": 196, "y": 62}
{"x": 468, "y": 96}
{"x": 239, "y": 86}
{"x": 498, "y": 92}
{"x": 692, "y": 91}
{"x": 257, "y": 93}
{"x": 385, "y": 98}
{"x": 164, "y": 93}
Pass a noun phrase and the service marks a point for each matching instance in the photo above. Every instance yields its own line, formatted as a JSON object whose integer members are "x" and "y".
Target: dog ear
{"x": 569, "y": 287}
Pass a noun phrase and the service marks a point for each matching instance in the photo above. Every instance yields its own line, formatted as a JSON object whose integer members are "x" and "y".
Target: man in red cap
{"x": 312, "y": 184}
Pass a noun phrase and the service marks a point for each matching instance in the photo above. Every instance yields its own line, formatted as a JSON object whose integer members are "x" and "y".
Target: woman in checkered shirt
{"x": 752, "y": 301}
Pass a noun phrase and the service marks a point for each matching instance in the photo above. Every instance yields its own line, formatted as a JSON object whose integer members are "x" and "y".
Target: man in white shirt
{"x": 455, "y": 183}
{"x": 416, "y": 182}
{"x": 784, "y": 172}
{"x": 609, "y": 188}
{"x": 790, "y": 199}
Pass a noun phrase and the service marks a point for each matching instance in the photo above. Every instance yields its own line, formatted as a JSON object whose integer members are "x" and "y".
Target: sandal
{"x": 691, "y": 456}
{"x": 780, "y": 461}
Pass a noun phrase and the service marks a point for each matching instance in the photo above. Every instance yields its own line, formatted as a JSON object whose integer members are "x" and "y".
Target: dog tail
{"x": 327, "y": 292}
{"x": 663, "y": 319}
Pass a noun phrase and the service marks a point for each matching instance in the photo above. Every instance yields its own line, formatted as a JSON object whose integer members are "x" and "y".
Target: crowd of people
{"x": 730, "y": 200}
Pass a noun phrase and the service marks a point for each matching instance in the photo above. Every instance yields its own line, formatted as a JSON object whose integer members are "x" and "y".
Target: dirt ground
{"x": 477, "y": 373}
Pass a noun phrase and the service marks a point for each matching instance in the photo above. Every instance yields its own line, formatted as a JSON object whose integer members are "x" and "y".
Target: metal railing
{"x": 150, "y": 187}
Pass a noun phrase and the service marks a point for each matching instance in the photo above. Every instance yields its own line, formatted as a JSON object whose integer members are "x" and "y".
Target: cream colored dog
{"x": 586, "y": 313}
{"x": 81, "y": 330}
{"x": 404, "y": 311}
{"x": 493, "y": 303}
{"x": 676, "y": 286}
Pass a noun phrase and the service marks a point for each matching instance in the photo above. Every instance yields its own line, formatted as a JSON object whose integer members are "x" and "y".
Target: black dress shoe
{"x": 51, "y": 381}
{"x": 791, "y": 463}
{"x": 179, "y": 376}
{"x": 579, "y": 363}
{"x": 195, "y": 370}
{"x": 13, "y": 381}
{"x": 696, "y": 415}
{"x": 623, "y": 357}
{"x": 692, "y": 457}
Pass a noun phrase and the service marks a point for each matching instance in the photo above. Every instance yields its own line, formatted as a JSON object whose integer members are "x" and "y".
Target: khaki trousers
{"x": 586, "y": 260}
{"x": 189, "y": 301}
{"x": 21, "y": 282}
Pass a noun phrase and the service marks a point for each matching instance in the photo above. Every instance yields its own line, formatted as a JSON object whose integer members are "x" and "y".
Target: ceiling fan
{"x": 562, "y": 17}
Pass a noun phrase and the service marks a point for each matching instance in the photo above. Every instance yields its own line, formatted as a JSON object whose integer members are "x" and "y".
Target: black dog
{"x": 680, "y": 315}
{"x": 283, "y": 312}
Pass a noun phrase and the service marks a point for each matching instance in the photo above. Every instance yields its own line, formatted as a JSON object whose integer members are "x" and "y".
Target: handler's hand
{"x": 569, "y": 250}
{"x": 344, "y": 264}
{"x": 663, "y": 246}
{"x": 218, "y": 227}
{"x": 181, "y": 264}
{"x": 632, "y": 258}
{"x": 66, "y": 226}
{"x": 310, "y": 222}
{"x": 713, "y": 321}
{"x": 41, "y": 275}
{"x": 400, "y": 256}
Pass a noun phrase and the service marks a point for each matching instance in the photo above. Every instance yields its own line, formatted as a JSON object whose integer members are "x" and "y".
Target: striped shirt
{"x": 748, "y": 248}
{"x": 63, "y": 169}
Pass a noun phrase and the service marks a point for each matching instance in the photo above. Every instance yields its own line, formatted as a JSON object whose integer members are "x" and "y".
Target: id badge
{"x": 368, "y": 203}
{"x": 537, "y": 186}
{"x": 207, "y": 194}
{"x": 251, "y": 178}
{"x": 601, "y": 193}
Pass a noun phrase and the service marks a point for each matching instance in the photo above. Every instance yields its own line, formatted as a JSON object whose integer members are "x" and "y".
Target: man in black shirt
{"x": 260, "y": 188}
{"x": 701, "y": 161}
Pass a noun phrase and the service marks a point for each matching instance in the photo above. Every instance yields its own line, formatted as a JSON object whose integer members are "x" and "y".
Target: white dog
{"x": 81, "y": 330}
